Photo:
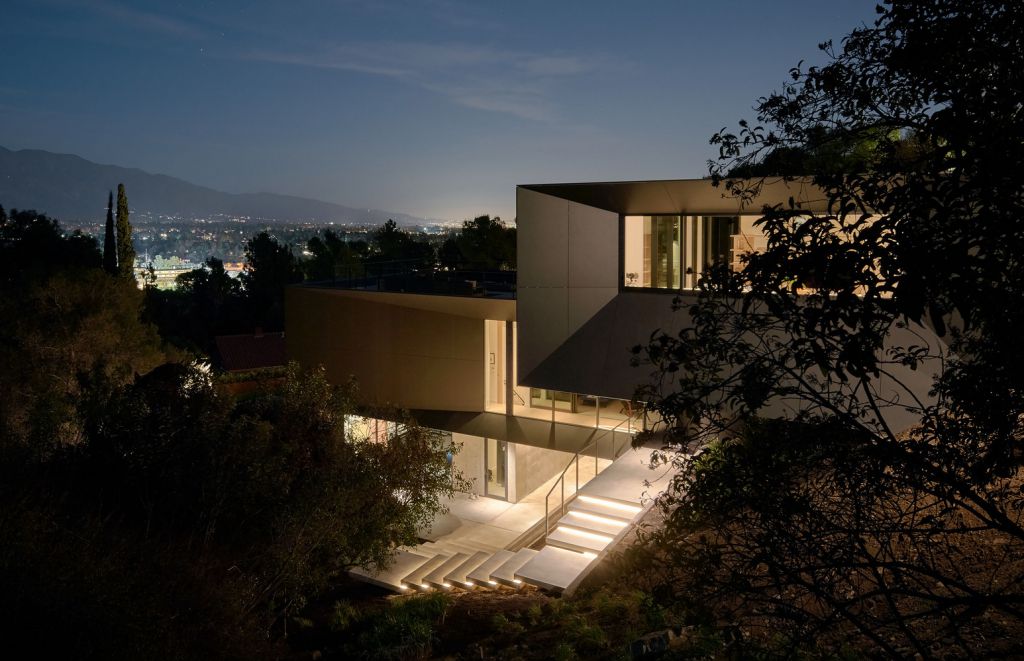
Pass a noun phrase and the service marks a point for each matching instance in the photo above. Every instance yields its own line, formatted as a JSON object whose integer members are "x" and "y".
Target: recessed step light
{"x": 584, "y": 533}
{"x": 614, "y": 504}
{"x": 597, "y": 518}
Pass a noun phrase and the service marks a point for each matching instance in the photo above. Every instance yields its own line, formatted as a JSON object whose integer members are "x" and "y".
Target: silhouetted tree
{"x": 269, "y": 267}
{"x": 333, "y": 257}
{"x": 833, "y": 522}
{"x": 110, "y": 239}
{"x": 391, "y": 244}
{"x": 125, "y": 247}
{"x": 33, "y": 246}
{"x": 212, "y": 284}
{"x": 482, "y": 243}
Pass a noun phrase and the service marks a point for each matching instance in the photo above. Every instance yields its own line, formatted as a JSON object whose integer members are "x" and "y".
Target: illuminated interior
{"x": 671, "y": 252}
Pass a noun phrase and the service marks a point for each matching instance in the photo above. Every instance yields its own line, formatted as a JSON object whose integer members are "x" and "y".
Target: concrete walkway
{"x": 497, "y": 523}
{"x": 477, "y": 545}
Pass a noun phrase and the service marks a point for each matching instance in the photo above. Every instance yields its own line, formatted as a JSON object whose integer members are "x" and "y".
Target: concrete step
{"x": 611, "y": 509}
{"x": 506, "y": 573}
{"x": 471, "y": 547}
{"x": 481, "y": 576}
{"x": 483, "y": 544}
{"x": 556, "y": 569}
{"x": 414, "y": 579}
{"x": 593, "y": 523}
{"x": 447, "y": 547}
{"x": 578, "y": 540}
{"x": 404, "y": 563}
{"x": 436, "y": 578}
{"x": 459, "y": 576}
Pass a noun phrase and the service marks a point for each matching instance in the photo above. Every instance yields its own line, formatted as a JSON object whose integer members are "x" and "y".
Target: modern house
{"x": 534, "y": 380}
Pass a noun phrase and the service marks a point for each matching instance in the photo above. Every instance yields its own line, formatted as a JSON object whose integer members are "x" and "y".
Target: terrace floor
{"x": 497, "y": 523}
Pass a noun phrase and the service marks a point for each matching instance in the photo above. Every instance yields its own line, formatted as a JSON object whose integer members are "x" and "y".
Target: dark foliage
{"x": 391, "y": 244}
{"x": 33, "y": 246}
{"x": 70, "y": 328}
{"x": 110, "y": 239}
{"x": 334, "y": 258}
{"x": 125, "y": 246}
{"x": 483, "y": 243}
{"x": 206, "y": 303}
{"x": 269, "y": 267}
{"x": 898, "y": 306}
{"x": 146, "y": 514}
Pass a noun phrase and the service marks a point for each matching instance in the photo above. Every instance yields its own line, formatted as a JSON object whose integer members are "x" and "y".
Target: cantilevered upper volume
{"x": 596, "y": 258}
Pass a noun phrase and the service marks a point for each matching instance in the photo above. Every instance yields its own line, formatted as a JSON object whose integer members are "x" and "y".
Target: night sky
{"x": 433, "y": 108}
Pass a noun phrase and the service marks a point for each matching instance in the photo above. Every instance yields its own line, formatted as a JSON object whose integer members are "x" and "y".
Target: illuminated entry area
{"x": 671, "y": 252}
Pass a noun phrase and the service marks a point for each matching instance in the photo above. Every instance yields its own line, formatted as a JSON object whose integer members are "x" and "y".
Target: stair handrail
{"x": 575, "y": 458}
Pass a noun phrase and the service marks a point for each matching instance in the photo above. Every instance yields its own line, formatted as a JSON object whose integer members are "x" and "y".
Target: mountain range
{"x": 73, "y": 189}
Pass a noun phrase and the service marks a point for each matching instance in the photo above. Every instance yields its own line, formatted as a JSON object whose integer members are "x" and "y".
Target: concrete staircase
{"x": 599, "y": 516}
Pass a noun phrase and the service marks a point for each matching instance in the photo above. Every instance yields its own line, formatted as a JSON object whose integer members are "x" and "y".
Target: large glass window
{"x": 670, "y": 252}
{"x": 653, "y": 251}
{"x": 718, "y": 232}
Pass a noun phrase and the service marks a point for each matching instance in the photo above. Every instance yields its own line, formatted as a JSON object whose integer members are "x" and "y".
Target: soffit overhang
{"x": 685, "y": 196}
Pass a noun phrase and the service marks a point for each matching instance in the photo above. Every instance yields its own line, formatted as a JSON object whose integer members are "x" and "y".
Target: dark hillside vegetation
{"x": 146, "y": 513}
{"x": 833, "y": 527}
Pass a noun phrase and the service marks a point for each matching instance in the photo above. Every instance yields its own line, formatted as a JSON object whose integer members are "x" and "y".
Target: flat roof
{"x": 686, "y": 196}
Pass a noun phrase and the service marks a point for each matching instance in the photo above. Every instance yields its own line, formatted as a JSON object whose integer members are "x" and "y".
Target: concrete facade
{"x": 415, "y": 351}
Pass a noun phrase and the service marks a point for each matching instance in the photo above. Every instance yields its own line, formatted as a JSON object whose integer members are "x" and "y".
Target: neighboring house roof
{"x": 250, "y": 351}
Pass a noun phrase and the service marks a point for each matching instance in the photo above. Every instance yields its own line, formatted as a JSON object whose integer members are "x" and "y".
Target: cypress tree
{"x": 125, "y": 249}
{"x": 109, "y": 240}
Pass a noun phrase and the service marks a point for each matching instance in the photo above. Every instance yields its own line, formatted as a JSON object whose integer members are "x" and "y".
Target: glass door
{"x": 496, "y": 468}
{"x": 541, "y": 398}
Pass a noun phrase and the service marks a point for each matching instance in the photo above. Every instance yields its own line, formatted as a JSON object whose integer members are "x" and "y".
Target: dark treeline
{"x": 146, "y": 513}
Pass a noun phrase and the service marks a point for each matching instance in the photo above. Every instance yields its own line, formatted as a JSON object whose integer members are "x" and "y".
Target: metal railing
{"x": 575, "y": 461}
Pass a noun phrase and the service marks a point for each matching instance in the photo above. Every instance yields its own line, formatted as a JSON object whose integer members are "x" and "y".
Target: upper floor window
{"x": 670, "y": 252}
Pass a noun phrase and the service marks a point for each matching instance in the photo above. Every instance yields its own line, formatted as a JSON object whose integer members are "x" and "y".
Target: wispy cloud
{"x": 150, "y": 21}
{"x": 513, "y": 82}
{"x": 447, "y": 13}
{"x": 336, "y": 60}
{"x": 143, "y": 21}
